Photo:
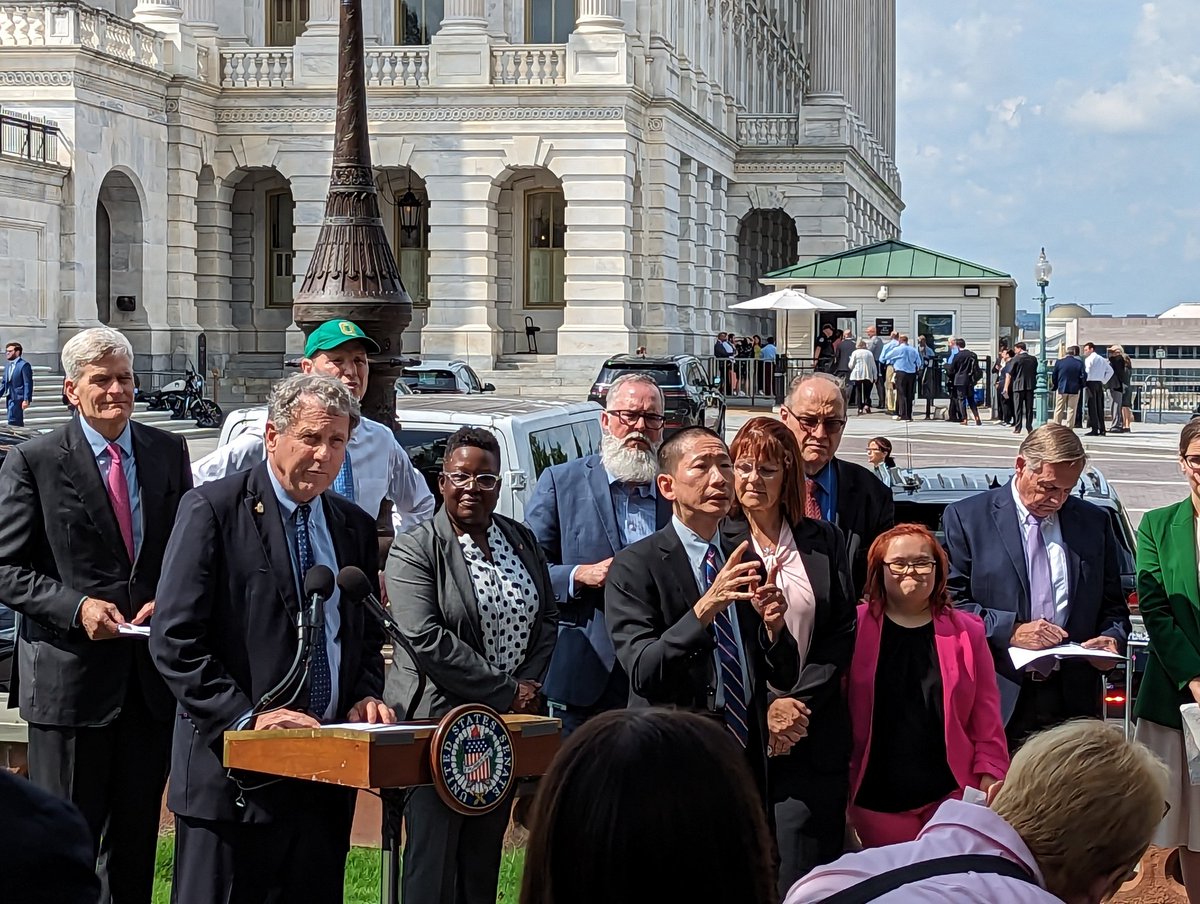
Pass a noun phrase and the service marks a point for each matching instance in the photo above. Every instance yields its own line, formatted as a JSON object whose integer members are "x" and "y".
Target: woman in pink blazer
{"x": 924, "y": 705}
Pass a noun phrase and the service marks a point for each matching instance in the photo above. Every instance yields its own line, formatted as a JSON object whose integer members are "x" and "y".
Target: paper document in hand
{"x": 128, "y": 630}
{"x": 1022, "y": 658}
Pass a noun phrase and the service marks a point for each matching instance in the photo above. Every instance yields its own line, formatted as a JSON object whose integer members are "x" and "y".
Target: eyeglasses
{"x": 631, "y": 418}
{"x": 745, "y": 469}
{"x": 811, "y": 424}
{"x": 1192, "y": 461}
{"x": 462, "y": 480}
{"x": 899, "y": 569}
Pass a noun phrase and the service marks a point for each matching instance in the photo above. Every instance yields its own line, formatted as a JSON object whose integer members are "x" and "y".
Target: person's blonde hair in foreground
{"x": 1076, "y": 812}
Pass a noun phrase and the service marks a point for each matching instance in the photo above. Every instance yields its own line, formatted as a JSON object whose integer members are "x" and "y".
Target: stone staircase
{"x": 536, "y": 376}
{"x": 47, "y": 410}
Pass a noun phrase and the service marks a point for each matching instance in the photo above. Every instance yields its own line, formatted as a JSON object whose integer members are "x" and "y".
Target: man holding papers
{"x": 1039, "y": 566}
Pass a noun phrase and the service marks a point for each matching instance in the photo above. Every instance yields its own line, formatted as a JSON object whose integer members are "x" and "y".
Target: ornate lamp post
{"x": 1041, "y": 273}
{"x": 353, "y": 273}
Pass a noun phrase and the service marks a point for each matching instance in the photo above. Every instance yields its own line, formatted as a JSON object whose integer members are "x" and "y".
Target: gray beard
{"x": 627, "y": 464}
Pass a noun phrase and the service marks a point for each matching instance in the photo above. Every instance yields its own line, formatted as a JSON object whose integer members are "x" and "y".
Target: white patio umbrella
{"x": 787, "y": 300}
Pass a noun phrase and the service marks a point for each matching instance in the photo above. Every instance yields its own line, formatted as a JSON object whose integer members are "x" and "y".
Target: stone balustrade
{"x": 256, "y": 67}
{"x": 869, "y": 148}
{"x": 66, "y": 23}
{"x": 529, "y": 64}
{"x": 768, "y": 130}
{"x": 397, "y": 67}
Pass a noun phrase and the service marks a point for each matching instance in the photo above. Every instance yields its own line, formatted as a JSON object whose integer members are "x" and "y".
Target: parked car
{"x": 9, "y": 437}
{"x": 692, "y": 395}
{"x": 922, "y": 494}
{"x": 533, "y": 435}
{"x": 444, "y": 377}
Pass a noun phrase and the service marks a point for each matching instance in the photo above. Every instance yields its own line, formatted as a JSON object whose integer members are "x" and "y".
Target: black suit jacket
{"x": 1024, "y": 372}
{"x": 664, "y": 648}
{"x": 986, "y": 545}
{"x": 59, "y": 542}
{"x": 864, "y": 511}
{"x": 225, "y": 634}
{"x": 822, "y": 549}
{"x": 433, "y": 601}
{"x": 961, "y": 369}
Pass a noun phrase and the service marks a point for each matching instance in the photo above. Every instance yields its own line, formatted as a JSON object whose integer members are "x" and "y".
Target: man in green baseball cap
{"x": 375, "y": 467}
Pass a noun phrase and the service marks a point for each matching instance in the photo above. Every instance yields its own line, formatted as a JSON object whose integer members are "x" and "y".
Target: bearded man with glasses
{"x": 838, "y": 491}
{"x": 1039, "y": 566}
{"x": 471, "y": 592}
{"x": 584, "y": 512}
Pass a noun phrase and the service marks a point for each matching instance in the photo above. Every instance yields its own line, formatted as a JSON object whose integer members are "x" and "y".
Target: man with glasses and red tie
{"x": 846, "y": 494}
{"x": 87, "y": 512}
{"x": 693, "y": 621}
{"x": 1040, "y": 567}
{"x": 583, "y": 513}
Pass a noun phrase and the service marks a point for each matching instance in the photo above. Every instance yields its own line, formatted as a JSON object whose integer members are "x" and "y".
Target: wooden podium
{"x": 379, "y": 757}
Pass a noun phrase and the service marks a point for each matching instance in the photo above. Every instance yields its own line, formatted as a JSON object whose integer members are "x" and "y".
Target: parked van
{"x": 533, "y": 434}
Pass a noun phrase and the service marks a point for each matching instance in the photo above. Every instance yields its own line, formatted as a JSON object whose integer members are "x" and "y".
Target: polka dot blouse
{"x": 507, "y": 598}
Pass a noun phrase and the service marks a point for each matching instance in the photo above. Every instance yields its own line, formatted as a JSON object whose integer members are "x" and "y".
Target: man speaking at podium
{"x": 225, "y": 635}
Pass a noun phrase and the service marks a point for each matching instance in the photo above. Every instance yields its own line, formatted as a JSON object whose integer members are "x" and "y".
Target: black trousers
{"x": 809, "y": 810}
{"x": 906, "y": 387}
{"x": 1044, "y": 704}
{"x": 964, "y": 397}
{"x": 860, "y": 395}
{"x": 1023, "y": 408}
{"x": 1095, "y": 406}
{"x": 450, "y": 858}
{"x": 115, "y": 774}
{"x": 280, "y": 862}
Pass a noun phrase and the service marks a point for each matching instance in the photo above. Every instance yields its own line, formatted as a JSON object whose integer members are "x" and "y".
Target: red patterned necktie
{"x": 812, "y": 505}
{"x": 118, "y": 492}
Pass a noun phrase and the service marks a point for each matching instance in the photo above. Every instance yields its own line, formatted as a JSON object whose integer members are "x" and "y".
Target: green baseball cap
{"x": 333, "y": 333}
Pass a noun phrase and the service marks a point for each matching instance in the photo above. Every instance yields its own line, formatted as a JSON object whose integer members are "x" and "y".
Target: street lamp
{"x": 1041, "y": 273}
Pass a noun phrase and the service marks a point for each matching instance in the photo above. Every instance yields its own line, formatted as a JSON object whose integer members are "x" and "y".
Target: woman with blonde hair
{"x": 863, "y": 374}
{"x": 1119, "y": 386}
{"x": 807, "y": 775}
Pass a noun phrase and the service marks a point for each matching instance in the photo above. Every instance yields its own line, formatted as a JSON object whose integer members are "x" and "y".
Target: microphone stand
{"x": 296, "y": 678}
{"x": 372, "y": 604}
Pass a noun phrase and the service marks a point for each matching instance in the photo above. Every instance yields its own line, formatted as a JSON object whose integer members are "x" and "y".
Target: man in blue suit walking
{"x": 16, "y": 384}
{"x": 584, "y": 512}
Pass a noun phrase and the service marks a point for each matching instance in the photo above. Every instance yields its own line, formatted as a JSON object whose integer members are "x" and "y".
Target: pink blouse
{"x": 793, "y": 581}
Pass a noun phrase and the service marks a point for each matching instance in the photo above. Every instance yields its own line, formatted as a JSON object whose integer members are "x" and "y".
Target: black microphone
{"x": 318, "y": 587}
{"x": 356, "y": 587}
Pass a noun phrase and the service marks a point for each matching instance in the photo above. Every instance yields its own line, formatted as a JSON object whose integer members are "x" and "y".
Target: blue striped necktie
{"x": 320, "y": 684}
{"x": 736, "y": 717}
{"x": 343, "y": 484}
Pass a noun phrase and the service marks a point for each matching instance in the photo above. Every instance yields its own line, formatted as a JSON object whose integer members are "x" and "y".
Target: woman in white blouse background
{"x": 471, "y": 592}
{"x": 809, "y": 770}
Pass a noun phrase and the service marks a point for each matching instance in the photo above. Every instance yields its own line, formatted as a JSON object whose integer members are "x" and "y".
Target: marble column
{"x": 322, "y": 19}
{"x": 598, "y": 16}
{"x": 464, "y": 17}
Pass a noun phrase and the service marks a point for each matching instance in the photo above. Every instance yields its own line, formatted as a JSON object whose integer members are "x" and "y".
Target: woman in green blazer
{"x": 1169, "y": 600}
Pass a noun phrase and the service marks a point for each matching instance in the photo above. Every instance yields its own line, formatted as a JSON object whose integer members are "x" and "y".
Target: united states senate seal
{"x": 471, "y": 757}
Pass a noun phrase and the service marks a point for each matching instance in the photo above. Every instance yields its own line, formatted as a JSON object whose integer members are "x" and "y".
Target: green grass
{"x": 362, "y": 875}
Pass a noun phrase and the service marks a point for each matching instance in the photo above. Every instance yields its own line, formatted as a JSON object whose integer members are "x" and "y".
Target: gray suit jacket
{"x": 433, "y": 601}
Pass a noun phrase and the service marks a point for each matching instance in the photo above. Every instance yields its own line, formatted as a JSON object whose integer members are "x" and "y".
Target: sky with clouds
{"x": 1073, "y": 124}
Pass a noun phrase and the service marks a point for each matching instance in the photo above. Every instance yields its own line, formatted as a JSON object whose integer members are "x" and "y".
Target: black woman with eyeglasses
{"x": 924, "y": 703}
{"x": 471, "y": 591}
{"x": 1169, "y": 602}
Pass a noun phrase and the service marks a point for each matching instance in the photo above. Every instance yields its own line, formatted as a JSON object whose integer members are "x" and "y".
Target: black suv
{"x": 692, "y": 396}
{"x": 922, "y": 494}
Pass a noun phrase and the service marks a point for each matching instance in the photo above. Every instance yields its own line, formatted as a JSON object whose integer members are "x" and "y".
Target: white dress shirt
{"x": 1056, "y": 551}
{"x": 1098, "y": 368}
{"x": 382, "y": 469}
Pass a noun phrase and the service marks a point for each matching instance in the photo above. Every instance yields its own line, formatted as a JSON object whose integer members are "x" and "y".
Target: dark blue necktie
{"x": 736, "y": 718}
{"x": 343, "y": 484}
{"x": 320, "y": 684}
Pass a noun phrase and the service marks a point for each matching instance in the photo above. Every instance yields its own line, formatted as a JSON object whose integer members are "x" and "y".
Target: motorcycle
{"x": 164, "y": 398}
{"x": 190, "y": 402}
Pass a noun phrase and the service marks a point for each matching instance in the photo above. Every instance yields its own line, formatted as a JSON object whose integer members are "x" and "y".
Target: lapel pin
{"x": 258, "y": 508}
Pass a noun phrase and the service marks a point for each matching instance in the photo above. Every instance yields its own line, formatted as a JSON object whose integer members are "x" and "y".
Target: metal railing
{"x": 28, "y": 137}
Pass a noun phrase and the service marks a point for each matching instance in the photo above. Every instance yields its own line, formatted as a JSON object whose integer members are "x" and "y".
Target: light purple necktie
{"x": 118, "y": 492}
{"x": 1041, "y": 583}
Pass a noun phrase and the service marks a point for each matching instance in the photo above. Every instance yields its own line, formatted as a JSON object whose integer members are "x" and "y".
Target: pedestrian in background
{"x": 1117, "y": 385}
{"x": 1068, "y": 379}
{"x": 1170, "y": 606}
{"x": 769, "y": 355}
{"x": 1098, "y": 372}
{"x": 1004, "y": 403}
{"x": 964, "y": 372}
{"x": 842, "y": 355}
{"x": 807, "y": 776}
{"x": 889, "y": 372}
{"x": 634, "y": 790}
{"x": 879, "y": 457}
{"x": 17, "y": 384}
{"x": 1022, "y": 381}
{"x": 875, "y": 345}
{"x": 928, "y": 375}
{"x": 863, "y": 373}
{"x": 905, "y": 361}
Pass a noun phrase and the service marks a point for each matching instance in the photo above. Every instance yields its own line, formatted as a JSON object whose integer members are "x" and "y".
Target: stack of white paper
{"x": 1023, "y": 659}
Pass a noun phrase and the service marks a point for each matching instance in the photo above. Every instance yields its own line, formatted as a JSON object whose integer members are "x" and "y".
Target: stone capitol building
{"x": 614, "y": 172}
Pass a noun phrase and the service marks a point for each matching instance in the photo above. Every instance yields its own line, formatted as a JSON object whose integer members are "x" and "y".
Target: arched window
{"x": 418, "y": 20}
{"x": 549, "y": 21}
{"x": 545, "y": 250}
